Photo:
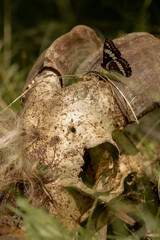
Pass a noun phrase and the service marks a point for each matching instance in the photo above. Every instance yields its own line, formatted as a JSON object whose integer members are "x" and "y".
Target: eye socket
{"x": 73, "y": 130}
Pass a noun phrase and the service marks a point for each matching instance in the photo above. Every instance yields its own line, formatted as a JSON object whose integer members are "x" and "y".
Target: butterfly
{"x": 113, "y": 61}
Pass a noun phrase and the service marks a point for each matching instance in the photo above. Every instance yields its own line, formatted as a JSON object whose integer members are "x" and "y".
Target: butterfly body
{"x": 113, "y": 61}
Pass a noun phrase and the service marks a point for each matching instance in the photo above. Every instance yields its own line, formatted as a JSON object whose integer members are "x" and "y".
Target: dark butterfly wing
{"x": 110, "y": 52}
{"x": 121, "y": 66}
{"x": 112, "y": 59}
{"x": 125, "y": 66}
{"x": 110, "y": 45}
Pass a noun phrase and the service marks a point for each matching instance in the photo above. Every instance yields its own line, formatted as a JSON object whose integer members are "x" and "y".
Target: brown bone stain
{"x": 54, "y": 140}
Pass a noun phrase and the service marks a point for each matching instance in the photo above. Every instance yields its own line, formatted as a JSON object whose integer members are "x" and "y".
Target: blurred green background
{"x": 29, "y": 27}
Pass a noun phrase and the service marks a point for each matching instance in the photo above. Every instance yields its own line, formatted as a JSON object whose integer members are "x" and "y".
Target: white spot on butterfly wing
{"x": 110, "y": 53}
{"x": 120, "y": 67}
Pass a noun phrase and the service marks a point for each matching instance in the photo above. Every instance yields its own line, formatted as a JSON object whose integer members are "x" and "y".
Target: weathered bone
{"x": 62, "y": 122}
